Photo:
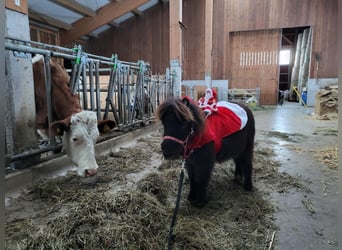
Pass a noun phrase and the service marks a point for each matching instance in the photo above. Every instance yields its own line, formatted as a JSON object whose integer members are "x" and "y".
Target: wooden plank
{"x": 103, "y": 16}
{"x": 17, "y": 5}
{"x": 75, "y": 6}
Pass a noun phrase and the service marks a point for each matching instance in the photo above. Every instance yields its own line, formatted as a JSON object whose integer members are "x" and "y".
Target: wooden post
{"x": 19, "y": 88}
{"x": 208, "y": 42}
{"x": 295, "y": 69}
{"x": 175, "y": 30}
{"x": 302, "y": 61}
{"x": 176, "y": 45}
{"x": 306, "y": 62}
{"x": 17, "y": 5}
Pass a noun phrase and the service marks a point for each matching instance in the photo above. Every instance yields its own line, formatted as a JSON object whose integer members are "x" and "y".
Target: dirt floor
{"x": 129, "y": 205}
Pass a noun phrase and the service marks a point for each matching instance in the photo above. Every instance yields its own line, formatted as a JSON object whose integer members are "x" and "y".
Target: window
{"x": 284, "y": 57}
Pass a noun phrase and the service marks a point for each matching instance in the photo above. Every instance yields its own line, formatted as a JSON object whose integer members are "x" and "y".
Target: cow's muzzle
{"x": 90, "y": 172}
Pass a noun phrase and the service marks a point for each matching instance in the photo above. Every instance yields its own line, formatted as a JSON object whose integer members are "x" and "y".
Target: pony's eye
{"x": 185, "y": 126}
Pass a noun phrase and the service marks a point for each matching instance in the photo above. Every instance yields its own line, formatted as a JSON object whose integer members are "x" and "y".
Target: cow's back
{"x": 64, "y": 103}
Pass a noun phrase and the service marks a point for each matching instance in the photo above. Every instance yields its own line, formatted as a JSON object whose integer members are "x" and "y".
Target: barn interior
{"x": 124, "y": 58}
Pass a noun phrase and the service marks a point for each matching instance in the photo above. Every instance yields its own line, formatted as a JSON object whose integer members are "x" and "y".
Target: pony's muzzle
{"x": 171, "y": 149}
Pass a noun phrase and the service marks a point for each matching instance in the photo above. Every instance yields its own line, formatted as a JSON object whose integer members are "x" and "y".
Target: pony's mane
{"x": 186, "y": 111}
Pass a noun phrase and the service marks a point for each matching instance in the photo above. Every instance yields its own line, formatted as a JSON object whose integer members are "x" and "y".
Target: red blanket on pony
{"x": 227, "y": 119}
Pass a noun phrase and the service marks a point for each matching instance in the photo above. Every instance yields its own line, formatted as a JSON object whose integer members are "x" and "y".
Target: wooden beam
{"x": 114, "y": 24}
{"x": 20, "y": 6}
{"x": 75, "y": 6}
{"x": 208, "y": 41}
{"x": 137, "y": 12}
{"x": 103, "y": 16}
{"x": 176, "y": 31}
{"x": 48, "y": 20}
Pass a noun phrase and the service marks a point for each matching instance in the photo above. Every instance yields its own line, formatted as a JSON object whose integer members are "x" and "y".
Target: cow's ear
{"x": 105, "y": 125}
{"x": 58, "y": 128}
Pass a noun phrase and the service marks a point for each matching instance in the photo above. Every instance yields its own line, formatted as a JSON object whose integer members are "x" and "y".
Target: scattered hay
{"x": 327, "y": 156}
{"x": 293, "y": 137}
{"x": 326, "y": 131}
{"x": 74, "y": 214}
{"x": 267, "y": 173}
{"x": 295, "y": 148}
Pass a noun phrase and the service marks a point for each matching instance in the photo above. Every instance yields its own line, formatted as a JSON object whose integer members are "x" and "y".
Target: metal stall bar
{"x": 76, "y": 68}
{"x": 84, "y": 85}
{"x": 98, "y": 93}
{"x": 109, "y": 99}
{"x": 42, "y": 45}
{"x": 91, "y": 84}
{"x": 47, "y": 76}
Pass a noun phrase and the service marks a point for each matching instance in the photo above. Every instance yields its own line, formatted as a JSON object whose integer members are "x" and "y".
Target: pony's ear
{"x": 186, "y": 101}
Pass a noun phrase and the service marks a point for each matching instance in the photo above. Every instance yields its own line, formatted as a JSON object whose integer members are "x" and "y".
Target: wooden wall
{"x": 321, "y": 15}
{"x": 144, "y": 37}
{"x": 147, "y": 37}
{"x": 248, "y": 15}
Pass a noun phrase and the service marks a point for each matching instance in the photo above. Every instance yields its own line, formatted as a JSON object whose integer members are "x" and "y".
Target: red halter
{"x": 183, "y": 143}
{"x": 167, "y": 137}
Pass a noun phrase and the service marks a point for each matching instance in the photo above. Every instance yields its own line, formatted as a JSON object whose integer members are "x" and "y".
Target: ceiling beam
{"x": 104, "y": 15}
{"x": 137, "y": 12}
{"x": 75, "y": 6}
{"x": 48, "y": 20}
{"x": 114, "y": 24}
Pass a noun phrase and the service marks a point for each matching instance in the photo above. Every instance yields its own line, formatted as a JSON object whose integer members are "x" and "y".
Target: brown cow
{"x": 79, "y": 128}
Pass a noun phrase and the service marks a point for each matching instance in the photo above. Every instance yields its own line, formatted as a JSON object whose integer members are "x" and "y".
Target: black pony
{"x": 189, "y": 133}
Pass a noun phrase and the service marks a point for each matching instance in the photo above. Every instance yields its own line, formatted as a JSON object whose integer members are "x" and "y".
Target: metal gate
{"x": 126, "y": 92}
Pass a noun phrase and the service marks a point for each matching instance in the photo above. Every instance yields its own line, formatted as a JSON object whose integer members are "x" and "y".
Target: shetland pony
{"x": 226, "y": 134}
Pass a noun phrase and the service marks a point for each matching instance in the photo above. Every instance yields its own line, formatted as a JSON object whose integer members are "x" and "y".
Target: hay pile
{"x": 326, "y": 103}
{"x": 129, "y": 205}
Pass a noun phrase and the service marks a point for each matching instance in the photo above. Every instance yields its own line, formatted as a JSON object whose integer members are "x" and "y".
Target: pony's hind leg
{"x": 237, "y": 173}
{"x": 243, "y": 167}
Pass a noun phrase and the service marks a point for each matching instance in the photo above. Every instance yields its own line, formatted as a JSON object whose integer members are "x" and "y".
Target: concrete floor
{"x": 307, "y": 219}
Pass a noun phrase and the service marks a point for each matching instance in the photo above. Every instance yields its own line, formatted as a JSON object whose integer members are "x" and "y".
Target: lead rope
{"x": 175, "y": 211}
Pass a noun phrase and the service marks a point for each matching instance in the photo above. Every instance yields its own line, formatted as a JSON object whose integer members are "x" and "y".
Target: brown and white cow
{"x": 79, "y": 128}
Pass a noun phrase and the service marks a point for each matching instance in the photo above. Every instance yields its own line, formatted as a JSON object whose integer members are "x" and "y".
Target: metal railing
{"x": 123, "y": 91}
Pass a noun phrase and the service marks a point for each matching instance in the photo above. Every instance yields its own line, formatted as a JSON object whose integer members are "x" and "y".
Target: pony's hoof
{"x": 248, "y": 187}
{"x": 191, "y": 198}
{"x": 198, "y": 204}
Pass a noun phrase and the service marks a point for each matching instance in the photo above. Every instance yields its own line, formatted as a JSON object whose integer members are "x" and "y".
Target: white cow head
{"x": 80, "y": 132}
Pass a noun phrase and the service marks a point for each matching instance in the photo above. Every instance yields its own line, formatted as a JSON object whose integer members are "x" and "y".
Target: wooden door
{"x": 254, "y": 62}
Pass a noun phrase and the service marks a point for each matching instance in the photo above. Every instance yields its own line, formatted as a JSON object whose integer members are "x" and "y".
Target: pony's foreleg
{"x": 199, "y": 167}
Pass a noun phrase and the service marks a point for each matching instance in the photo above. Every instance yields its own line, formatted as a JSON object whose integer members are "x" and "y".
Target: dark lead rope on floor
{"x": 175, "y": 211}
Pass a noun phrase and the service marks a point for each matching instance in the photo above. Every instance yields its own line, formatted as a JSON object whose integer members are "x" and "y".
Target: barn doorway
{"x": 294, "y": 62}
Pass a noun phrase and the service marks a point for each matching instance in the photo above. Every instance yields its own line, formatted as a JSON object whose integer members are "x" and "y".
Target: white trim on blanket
{"x": 239, "y": 111}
